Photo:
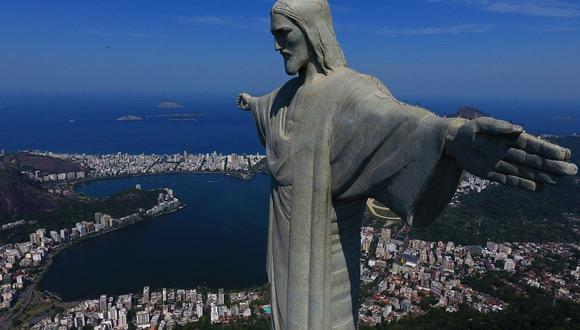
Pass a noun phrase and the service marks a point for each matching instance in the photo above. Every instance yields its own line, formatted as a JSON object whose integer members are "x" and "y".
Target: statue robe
{"x": 332, "y": 144}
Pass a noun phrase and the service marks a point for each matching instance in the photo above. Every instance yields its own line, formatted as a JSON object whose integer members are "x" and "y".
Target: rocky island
{"x": 130, "y": 118}
{"x": 468, "y": 112}
{"x": 168, "y": 104}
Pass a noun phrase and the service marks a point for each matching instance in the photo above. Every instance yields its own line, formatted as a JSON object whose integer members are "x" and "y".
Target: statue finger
{"x": 560, "y": 167}
{"x": 521, "y": 157}
{"x": 541, "y": 147}
{"x": 498, "y": 127}
{"x": 515, "y": 181}
{"x": 524, "y": 172}
{"x": 523, "y": 183}
{"x": 497, "y": 177}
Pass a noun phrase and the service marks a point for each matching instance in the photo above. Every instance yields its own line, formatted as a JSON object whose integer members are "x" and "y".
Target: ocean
{"x": 87, "y": 123}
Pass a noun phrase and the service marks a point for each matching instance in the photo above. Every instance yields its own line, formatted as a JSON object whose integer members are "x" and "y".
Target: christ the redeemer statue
{"x": 334, "y": 138}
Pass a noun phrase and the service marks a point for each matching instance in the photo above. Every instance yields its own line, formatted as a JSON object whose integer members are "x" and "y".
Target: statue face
{"x": 291, "y": 43}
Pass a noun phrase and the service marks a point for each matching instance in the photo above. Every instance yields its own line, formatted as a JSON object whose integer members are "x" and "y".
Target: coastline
{"x": 70, "y": 244}
{"x": 39, "y": 271}
{"x": 27, "y": 295}
{"x": 87, "y": 180}
{"x": 249, "y": 177}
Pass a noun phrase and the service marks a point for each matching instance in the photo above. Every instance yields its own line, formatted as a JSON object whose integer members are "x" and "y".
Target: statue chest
{"x": 295, "y": 132}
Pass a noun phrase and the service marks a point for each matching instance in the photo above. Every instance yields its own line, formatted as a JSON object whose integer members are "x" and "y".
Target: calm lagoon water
{"x": 218, "y": 240}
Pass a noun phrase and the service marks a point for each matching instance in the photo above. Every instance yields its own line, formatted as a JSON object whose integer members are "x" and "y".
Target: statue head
{"x": 304, "y": 34}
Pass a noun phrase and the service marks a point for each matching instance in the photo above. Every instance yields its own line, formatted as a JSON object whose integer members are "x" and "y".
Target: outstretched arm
{"x": 243, "y": 101}
{"x": 504, "y": 153}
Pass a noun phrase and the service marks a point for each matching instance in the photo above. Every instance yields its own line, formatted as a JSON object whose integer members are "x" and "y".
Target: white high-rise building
{"x": 509, "y": 265}
{"x": 214, "y": 316}
{"x": 123, "y": 319}
{"x": 79, "y": 320}
{"x": 41, "y": 233}
{"x": 113, "y": 313}
{"x": 55, "y": 236}
{"x": 221, "y": 297}
{"x": 103, "y": 303}
{"x": 199, "y": 310}
{"x": 64, "y": 234}
{"x": 146, "y": 296}
{"x": 142, "y": 318}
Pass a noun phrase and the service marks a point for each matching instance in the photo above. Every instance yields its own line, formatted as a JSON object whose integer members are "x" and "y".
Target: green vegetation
{"x": 556, "y": 263}
{"x": 504, "y": 214}
{"x": 71, "y": 211}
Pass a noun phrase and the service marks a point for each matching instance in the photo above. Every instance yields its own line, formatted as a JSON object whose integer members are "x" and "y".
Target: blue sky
{"x": 418, "y": 48}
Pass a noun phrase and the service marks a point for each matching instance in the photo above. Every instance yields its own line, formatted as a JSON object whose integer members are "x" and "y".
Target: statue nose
{"x": 277, "y": 46}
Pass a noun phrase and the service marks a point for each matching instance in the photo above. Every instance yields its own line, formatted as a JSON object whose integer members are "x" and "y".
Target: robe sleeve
{"x": 393, "y": 152}
{"x": 260, "y": 107}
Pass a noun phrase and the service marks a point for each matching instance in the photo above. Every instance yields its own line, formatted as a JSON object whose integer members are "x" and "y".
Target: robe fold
{"x": 330, "y": 145}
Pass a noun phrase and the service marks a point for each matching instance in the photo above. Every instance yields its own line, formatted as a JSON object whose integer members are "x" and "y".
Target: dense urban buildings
{"x": 401, "y": 277}
{"x": 114, "y": 165}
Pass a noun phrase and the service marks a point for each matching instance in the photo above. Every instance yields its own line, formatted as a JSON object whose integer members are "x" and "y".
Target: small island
{"x": 130, "y": 118}
{"x": 168, "y": 104}
{"x": 468, "y": 112}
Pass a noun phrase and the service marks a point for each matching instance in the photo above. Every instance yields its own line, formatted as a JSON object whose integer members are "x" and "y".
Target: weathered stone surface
{"x": 334, "y": 138}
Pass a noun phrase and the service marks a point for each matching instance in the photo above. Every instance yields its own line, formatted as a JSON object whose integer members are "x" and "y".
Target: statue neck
{"x": 310, "y": 72}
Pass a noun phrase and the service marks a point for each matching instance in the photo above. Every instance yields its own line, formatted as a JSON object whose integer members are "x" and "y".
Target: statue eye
{"x": 282, "y": 32}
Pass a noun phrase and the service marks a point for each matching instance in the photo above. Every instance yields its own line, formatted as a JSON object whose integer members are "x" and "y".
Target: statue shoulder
{"x": 373, "y": 84}
{"x": 289, "y": 85}
{"x": 359, "y": 85}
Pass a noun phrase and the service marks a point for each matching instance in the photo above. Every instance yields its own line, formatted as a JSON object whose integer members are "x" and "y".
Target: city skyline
{"x": 429, "y": 48}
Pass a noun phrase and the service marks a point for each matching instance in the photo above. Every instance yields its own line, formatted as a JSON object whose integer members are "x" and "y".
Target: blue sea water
{"x": 86, "y": 123}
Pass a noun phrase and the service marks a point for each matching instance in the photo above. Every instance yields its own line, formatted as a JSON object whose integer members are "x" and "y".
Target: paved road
{"x": 22, "y": 303}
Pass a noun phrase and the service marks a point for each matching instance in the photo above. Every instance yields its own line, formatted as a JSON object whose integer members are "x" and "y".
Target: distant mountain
{"x": 467, "y": 112}
{"x": 47, "y": 165}
{"x": 20, "y": 195}
{"x": 168, "y": 104}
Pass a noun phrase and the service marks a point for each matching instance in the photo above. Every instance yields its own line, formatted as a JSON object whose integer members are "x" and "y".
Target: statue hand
{"x": 243, "y": 101}
{"x": 501, "y": 152}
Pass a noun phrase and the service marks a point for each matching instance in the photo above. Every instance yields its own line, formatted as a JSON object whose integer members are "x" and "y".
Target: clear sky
{"x": 526, "y": 49}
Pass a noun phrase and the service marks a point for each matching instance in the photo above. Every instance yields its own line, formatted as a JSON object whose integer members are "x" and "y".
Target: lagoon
{"x": 218, "y": 240}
